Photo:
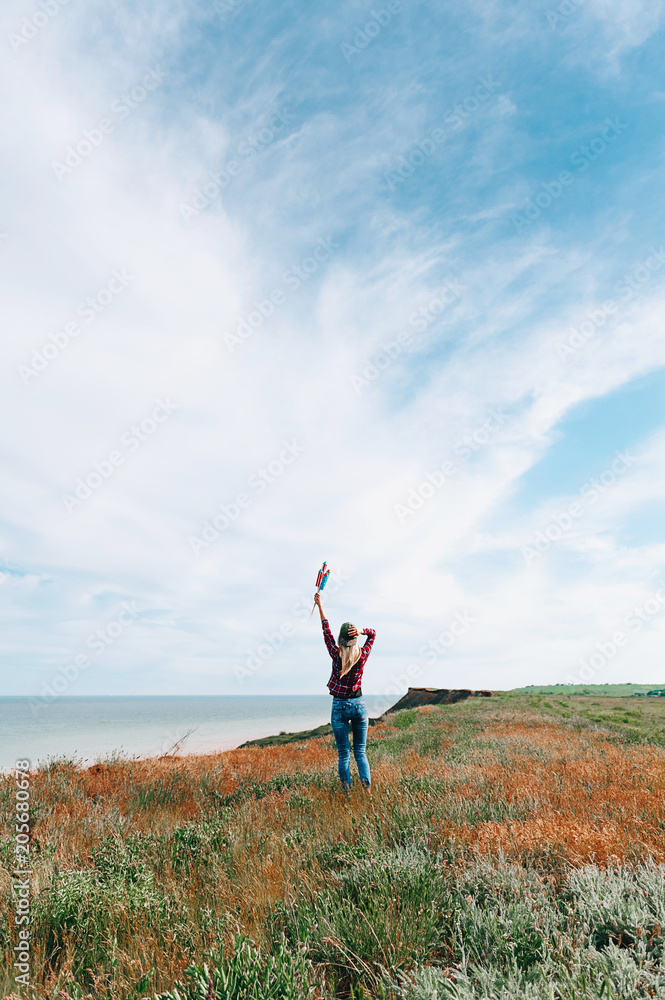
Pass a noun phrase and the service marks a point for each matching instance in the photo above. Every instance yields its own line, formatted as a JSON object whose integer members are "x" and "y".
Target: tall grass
{"x": 503, "y": 852}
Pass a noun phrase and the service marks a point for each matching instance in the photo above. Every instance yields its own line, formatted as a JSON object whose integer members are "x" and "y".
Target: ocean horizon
{"x": 88, "y": 728}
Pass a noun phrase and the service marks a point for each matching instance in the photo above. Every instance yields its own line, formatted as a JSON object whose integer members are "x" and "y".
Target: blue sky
{"x": 376, "y": 284}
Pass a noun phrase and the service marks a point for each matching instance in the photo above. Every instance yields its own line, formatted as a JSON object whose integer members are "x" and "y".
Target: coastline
{"x": 172, "y": 726}
{"x": 88, "y": 729}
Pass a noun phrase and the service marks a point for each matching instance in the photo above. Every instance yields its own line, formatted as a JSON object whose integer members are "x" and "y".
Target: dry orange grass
{"x": 592, "y": 800}
{"x": 567, "y": 793}
{"x": 589, "y": 797}
{"x": 83, "y": 802}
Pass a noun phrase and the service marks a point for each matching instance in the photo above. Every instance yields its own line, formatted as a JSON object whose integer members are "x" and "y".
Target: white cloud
{"x": 163, "y": 337}
{"x": 628, "y": 23}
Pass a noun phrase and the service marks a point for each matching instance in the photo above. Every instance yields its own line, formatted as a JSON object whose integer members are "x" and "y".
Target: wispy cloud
{"x": 227, "y": 80}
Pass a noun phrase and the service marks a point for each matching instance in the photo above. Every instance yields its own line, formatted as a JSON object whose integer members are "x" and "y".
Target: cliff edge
{"x": 415, "y": 697}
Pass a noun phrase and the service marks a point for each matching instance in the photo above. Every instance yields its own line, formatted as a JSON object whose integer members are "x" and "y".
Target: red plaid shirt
{"x": 344, "y": 687}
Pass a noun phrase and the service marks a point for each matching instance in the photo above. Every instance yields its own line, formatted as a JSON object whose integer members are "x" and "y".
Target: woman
{"x": 348, "y": 659}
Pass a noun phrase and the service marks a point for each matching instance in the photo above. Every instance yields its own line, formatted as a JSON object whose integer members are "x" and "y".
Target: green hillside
{"x": 601, "y": 690}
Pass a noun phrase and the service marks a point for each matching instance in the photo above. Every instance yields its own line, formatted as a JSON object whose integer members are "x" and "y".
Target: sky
{"x": 380, "y": 285}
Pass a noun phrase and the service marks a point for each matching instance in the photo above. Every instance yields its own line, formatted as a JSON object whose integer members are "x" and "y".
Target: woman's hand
{"x": 317, "y": 601}
{"x": 353, "y": 632}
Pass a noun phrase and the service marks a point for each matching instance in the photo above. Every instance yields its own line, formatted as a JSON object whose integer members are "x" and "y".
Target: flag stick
{"x": 321, "y": 581}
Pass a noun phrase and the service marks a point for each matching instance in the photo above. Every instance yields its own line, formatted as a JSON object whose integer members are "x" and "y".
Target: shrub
{"x": 247, "y": 974}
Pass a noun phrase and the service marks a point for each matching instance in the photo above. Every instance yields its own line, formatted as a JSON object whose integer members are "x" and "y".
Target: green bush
{"x": 96, "y": 906}
{"x": 621, "y": 905}
{"x": 516, "y": 938}
{"x": 383, "y": 911}
{"x": 247, "y": 974}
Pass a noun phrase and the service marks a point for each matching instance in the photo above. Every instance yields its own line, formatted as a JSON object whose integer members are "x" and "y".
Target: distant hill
{"x": 602, "y": 690}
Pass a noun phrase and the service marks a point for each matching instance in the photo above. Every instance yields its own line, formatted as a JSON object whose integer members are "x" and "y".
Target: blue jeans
{"x": 353, "y": 710}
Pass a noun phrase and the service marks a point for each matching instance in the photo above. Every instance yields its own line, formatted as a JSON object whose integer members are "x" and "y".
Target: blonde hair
{"x": 350, "y": 654}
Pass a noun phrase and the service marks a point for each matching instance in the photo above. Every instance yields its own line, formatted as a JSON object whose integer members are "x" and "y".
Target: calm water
{"x": 88, "y": 728}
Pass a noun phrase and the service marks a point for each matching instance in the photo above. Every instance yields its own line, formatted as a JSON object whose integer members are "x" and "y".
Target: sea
{"x": 93, "y": 728}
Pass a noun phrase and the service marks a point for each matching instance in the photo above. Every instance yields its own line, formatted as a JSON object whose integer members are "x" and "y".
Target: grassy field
{"x": 604, "y": 690}
{"x": 512, "y": 848}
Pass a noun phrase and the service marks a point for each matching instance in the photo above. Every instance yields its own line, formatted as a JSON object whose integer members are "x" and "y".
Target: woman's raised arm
{"x": 319, "y": 604}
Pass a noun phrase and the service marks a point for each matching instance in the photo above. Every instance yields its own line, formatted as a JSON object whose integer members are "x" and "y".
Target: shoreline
{"x": 96, "y": 729}
{"x": 274, "y": 740}
{"x": 184, "y": 726}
